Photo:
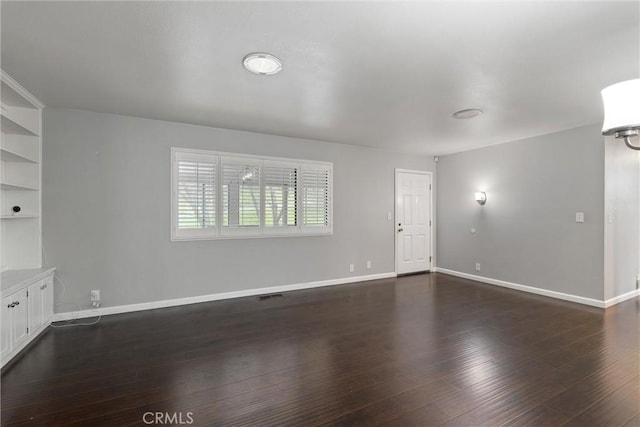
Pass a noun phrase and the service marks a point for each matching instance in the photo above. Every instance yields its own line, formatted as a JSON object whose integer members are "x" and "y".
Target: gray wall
{"x": 106, "y": 212}
{"x": 622, "y": 218}
{"x": 526, "y": 232}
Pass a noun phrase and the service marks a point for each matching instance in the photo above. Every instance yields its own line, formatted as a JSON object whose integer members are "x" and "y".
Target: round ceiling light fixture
{"x": 263, "y": 64}
{"x": 469, "y": 113}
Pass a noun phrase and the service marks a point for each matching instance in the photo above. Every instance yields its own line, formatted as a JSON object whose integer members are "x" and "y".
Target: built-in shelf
{"x": 15, "y": 187}
{"x": 12, "y": 156}
{"x": 21, "y": 251}
{"x": 21, "y": 177}
{"x": 10, "y": 126}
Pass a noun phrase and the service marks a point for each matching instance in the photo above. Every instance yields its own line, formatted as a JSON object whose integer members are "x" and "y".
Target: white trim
{"x": 530, "y": 289}
{"x": 621, "y": 298}
{"x": 21, "y": 90}
{"x": 105, "y": 311}
{"x": 432, "y": 268}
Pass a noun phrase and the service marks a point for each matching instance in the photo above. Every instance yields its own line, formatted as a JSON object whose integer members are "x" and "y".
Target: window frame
{"x": 261, "y": 231}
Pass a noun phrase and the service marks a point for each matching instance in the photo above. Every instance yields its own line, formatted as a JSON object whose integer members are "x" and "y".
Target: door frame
{"x": 395, "y": 214}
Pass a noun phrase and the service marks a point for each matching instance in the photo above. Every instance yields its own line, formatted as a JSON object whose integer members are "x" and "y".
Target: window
{"x": 223, "y": 195}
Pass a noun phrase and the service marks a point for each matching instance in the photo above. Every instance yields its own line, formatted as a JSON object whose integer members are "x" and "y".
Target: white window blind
{"x": 241, "y": 199}
{"x": 315, "y": 197}
{"x": 196, "y": 194}
{"x": 224, "y": 195}
{"x": 280, "y": 195}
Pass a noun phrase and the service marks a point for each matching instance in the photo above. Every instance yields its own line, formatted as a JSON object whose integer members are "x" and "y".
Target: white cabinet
{"x": 5, "y": 340}
{"x": 18, "y": 306}
{"x": 27, "y": 308}
{"x": 26, "y": 289}
{"x": 40, "y": 303}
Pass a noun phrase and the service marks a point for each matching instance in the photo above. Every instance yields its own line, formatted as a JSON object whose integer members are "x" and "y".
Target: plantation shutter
{"x": 224, "y": 195}
{"x": 241, "y": 195}
{"x": 315, "y": 194}
{"x": 280, "y": 196}
{"x": 196, "y": 193}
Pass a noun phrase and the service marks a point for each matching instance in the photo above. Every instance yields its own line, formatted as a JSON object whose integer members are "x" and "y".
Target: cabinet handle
{"x": 16, "y": 303}
{"x": 10, "y": 306}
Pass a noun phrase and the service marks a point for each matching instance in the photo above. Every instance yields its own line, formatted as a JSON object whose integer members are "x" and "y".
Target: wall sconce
{"x": 622, "y": 111}
{"x": 481, "y": 197}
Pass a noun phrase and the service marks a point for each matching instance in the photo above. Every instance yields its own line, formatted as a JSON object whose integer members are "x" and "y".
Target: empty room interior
{"x": 320, "y": 213}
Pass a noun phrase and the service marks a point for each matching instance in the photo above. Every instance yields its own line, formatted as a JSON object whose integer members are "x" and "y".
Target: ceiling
{"x": 379, "y": 74}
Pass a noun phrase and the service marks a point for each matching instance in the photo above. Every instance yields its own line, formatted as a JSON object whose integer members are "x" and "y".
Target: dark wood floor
{"x": 420, "y": 350}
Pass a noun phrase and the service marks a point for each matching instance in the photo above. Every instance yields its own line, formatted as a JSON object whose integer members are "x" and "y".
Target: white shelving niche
{"x": 20, "y": 177}
{"x": 26, "y": 287}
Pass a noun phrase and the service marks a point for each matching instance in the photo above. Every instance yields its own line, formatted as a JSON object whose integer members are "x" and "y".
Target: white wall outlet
{"x": 351, "y": 268}
{"x": 473, "y": 231}
{"x": 95, "y": 298}
{"x": 389, "y": 217}
{"x": 579, "y": 216}
{"x": 368, "y": 264}
{"x": 477, "y": 266}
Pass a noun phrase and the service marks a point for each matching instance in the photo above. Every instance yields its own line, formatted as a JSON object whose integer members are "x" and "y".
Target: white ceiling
{"x": 385, "y": 75}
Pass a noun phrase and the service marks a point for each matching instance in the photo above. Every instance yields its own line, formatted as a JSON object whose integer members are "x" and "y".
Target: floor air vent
{"x": 270, "y": 296}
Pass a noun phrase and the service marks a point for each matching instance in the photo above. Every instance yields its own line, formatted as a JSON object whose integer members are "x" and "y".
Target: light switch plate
{"x": 579, "y": 216}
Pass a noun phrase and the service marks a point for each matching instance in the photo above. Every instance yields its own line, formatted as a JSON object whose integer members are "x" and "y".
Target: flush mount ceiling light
{"x": 469, "y": 113}
{"x": 622, "y": 111}
{"x": 263, "y": 64}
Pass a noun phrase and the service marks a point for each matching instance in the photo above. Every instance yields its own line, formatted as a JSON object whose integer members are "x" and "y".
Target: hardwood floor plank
{"x": 538, "y": 416}
{"x": 617, "y": 408}
{"x": 417, "y": 350}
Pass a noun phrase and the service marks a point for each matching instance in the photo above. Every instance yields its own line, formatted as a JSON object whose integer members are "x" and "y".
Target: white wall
{"x": 622, "y": 218}
{"x": 106, "y": 212}
{"x": 526, "y": 233}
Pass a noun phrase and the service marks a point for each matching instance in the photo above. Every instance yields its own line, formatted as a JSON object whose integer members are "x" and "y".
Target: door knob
{"x": 400, "y": 229}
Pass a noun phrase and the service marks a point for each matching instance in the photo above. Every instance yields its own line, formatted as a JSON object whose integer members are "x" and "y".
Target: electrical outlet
{"x": 368, "y": 264}
{"x": 477, "y": 266}
{"x": 352, "y": 268}
{"x": 95, "y": 298}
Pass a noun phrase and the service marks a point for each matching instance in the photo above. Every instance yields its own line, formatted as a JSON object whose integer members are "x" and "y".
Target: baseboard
{"x": 105, "y": 311}
{"x": 531, "y": 289}
{"x": 621, "y": 298}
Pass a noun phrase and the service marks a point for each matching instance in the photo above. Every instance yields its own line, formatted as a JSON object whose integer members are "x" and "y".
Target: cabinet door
{"x": 36, "y": 313}
{"x": 47, "y": 300}
{"x": 19, "y": 318}
{"x": 5, "y": 326}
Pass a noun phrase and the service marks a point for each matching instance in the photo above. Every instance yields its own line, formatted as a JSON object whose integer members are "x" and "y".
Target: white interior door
{"x": 413, "y": 221}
